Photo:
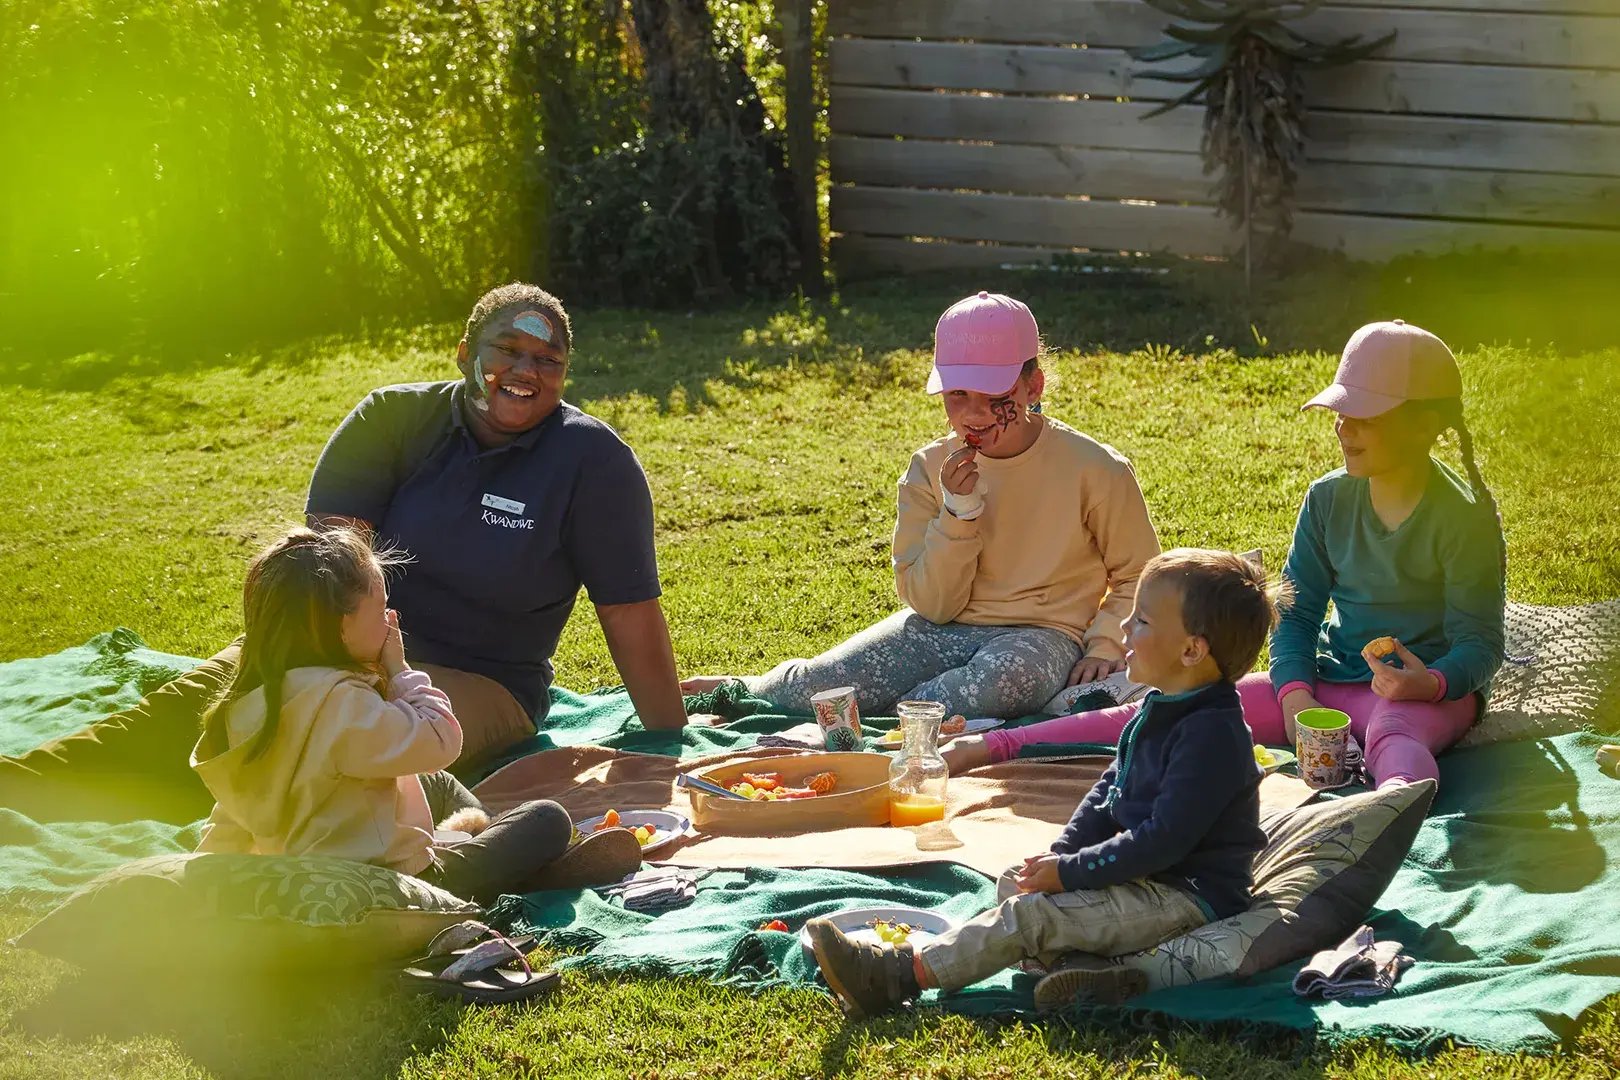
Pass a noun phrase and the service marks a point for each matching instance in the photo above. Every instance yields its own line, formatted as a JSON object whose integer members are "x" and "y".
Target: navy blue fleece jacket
{"x": 1179, "y": 805}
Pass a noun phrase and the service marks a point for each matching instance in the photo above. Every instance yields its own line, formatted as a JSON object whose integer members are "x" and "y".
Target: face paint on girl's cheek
{"x": 1005, "y": 410}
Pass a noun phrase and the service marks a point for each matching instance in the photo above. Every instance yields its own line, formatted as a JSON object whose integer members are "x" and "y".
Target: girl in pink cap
{"x": 1410, "y": 556}
{"x": 1017, "y": 547}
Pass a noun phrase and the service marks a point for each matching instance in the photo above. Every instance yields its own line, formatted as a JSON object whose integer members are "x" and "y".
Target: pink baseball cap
{"x": 981, "y": 343}
{"x": 1386, "y": 364}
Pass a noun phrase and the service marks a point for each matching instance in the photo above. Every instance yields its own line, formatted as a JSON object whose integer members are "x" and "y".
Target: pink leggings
{"x": 1399, "y": 738}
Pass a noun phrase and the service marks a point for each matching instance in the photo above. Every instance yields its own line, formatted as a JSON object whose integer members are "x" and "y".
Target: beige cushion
{"x": 1324, "y": 866}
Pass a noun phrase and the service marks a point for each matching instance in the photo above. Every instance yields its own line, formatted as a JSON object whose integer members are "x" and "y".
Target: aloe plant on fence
{"x": 1247, "y": 77}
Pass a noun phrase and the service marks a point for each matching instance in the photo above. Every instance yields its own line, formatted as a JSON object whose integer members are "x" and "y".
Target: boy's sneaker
{"x": 868, "y": 978}
{"x": 1092, "y": 978}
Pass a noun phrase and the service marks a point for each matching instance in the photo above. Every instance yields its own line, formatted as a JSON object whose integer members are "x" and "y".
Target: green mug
{"x": 1321, "y": 739}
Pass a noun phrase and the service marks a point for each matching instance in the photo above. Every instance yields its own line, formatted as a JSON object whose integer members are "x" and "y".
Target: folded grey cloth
{"x": 1360, "y": 967}
{"x": 653, "y": 891}
{"x": 800, "y": 737}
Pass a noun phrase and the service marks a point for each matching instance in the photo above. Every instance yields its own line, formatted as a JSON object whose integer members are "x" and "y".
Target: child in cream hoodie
{"x": 326, "y": 742}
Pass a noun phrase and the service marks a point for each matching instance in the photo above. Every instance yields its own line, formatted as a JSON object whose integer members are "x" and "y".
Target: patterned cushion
{"x": 245, "y": 911}
{"x": 1562, "y": 674}
{"x": 1324, "y": 867}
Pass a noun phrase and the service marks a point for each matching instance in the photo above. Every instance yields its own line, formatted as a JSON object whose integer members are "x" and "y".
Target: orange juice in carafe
{"x": 918, "y": 774}
{"x": 906, "y": 810}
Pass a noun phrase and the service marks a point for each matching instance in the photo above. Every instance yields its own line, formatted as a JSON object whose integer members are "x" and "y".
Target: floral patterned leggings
{"x": 1001, "y": 671}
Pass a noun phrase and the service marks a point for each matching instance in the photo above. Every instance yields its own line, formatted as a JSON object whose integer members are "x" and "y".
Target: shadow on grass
{"x": 245, "y": 1024}
{"x": 1187, "y": 306}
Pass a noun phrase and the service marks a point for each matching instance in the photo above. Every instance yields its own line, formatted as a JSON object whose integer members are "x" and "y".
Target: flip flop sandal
{"x": 463, "y": 936}
{"x": 481, "y": 975}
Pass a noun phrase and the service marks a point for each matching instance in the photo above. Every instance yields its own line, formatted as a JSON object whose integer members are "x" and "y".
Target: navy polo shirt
{"x": 500, "y": 539}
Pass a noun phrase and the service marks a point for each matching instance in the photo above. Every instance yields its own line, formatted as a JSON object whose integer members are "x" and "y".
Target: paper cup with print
{"x": 1321, "y": 737}
{"x": 839, "y": 717}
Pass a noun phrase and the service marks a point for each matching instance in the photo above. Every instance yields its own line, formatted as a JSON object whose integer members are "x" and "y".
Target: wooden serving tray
{"x": 861, "y": 797}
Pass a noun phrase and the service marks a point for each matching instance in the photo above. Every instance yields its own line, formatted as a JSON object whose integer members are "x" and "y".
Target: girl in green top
{"x": 1411, "y": 556}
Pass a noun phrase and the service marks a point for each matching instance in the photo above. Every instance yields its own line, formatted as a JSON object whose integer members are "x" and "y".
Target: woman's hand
{"x": 960, "y": 471}
{"x": 1294, "y": 703}
{"x": 1410, "y": 682}
{"x": 967, "y": 752}
{"x": 1039, "y": 874}
{"x": 1092, "y": 668}
{"x": 392, "y": 657}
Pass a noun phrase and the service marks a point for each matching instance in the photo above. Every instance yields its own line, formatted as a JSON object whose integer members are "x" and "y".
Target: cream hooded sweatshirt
{"x": 340, "y": 776}
{"x": 1061, "y": 542}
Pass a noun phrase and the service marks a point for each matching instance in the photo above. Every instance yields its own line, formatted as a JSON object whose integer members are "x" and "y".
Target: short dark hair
{"x": 1225, "y": 599}
{"x": 515, "y": 294}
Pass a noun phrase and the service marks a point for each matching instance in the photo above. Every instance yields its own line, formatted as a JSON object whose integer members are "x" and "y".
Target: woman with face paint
{"x": 1016, "y": 550}
{"x": 506, "y": 499}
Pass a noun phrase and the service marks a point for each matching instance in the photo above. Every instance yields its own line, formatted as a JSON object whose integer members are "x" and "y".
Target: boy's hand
{"x": 1092, "y": 668}
{"x": 1412, "y": 681}
{"x": 392, "y": 657}
{"x": 1040, "y": 874}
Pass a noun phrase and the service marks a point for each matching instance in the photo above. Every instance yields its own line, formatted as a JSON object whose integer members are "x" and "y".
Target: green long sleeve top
{"x": 1434, "y": 582}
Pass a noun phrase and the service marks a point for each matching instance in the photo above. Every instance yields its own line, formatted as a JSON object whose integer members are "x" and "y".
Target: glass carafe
{"x": 918, "y": 774}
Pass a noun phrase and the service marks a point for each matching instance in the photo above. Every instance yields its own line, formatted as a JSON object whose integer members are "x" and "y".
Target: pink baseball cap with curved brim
{"x": 1386, "y": 364}
{"x": 981, "y": 343}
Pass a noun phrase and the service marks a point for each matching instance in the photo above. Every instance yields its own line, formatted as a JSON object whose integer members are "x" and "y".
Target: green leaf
{"x": 1201, "y": 36}
{"x": 1203, "y": 71}
{"x": 1191, "y": 97}
{"x": 1164, "y": 50}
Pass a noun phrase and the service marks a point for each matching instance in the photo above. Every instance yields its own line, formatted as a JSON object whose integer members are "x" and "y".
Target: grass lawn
{"x": 138, "y": 486}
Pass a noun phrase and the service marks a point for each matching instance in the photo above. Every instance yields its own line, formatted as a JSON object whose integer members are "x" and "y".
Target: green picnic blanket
{"x": 1503, "y": 901}
{"x": 1496, "y": 903}
{"x": 47, "y": 698}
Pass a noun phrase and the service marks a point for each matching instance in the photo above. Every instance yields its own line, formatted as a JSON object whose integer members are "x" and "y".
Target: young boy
{"x": 1161, "y": 845}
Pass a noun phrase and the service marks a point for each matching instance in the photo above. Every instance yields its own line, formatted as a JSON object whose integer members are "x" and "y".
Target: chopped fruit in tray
{"x": 1264, "y": 758}
{"x": 956, "y": 725}
{"x": 749, "y": 787}
{"x": 822, "y": 782}
{"x": 610, "y": 820}
{"x": 774, "y": 924}
{"x": 890, "y": 933}
{"x": 646, "y": 834}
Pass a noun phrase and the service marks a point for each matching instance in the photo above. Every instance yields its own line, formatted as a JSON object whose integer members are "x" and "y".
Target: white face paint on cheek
{"x": 481, "y": 398}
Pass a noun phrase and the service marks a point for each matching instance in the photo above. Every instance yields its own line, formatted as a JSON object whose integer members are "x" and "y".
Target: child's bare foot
{"x": 968, "y": 752}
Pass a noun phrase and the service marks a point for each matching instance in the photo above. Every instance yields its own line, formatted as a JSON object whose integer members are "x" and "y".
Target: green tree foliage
{"x": 186, "y": 171}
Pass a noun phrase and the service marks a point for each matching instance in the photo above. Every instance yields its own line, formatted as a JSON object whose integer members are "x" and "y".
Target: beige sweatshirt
{"x": 340, "y": 776}
{"x": 1061, "y": 542}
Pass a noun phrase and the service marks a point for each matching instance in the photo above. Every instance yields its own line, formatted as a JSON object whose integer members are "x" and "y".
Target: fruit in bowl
{"x": 1264, "y": 758}
{"x": 768, "y": 787}
{"x": 890, "y": 933}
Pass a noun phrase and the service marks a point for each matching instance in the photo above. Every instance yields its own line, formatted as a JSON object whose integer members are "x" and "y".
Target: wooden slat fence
{"x": 977, "y": 132}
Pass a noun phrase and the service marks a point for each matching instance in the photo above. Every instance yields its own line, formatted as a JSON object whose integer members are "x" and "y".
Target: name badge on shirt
{"x": 510, "y": 506}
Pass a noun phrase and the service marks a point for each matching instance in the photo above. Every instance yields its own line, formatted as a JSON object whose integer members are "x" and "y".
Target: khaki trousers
{"x": 1106, "y": 922}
